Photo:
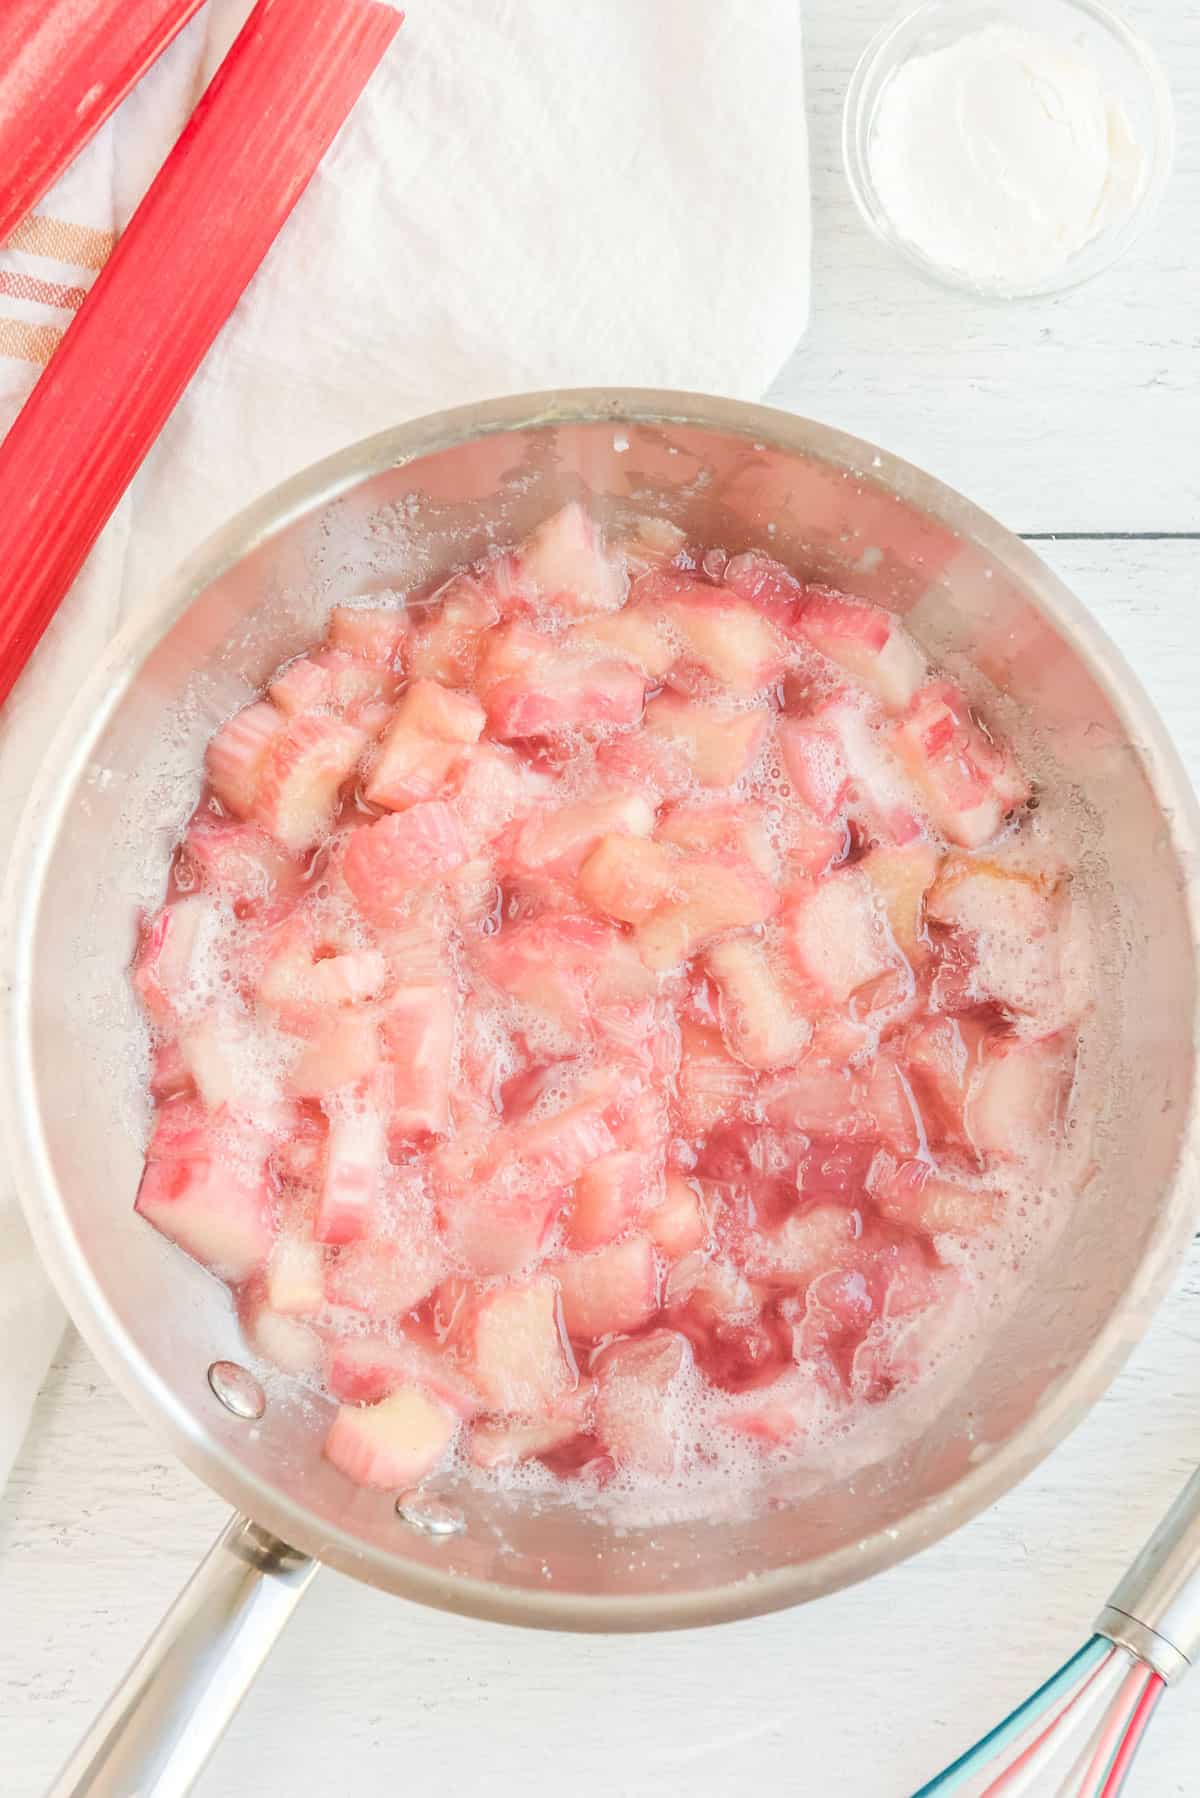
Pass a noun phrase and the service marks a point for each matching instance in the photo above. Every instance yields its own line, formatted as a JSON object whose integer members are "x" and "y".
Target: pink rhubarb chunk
{"x": 387, "y": 1278}
{"x": 868, "y": 643}
{"x": 901, "y": 876}
{"x": 331, "y": 681}
{"x": 837, "y": 937}
{"x": 729, "y": 640}
{"x": 559, "y": 842}
{"x": 761, "y": 1021}
{"x": 364, "y": 1369}
{"x": 718, "y": 745}
{"x": 609, "y": 1194}
{"x": 170, "y": 957}
{"x": 514, "y": 1348}
{"x": 427, "y": 742}
{"x": 376, "y": 634}
{"x": 386, "y": 860}
{"x": 533, "y": 687}
{"x": 445, "y": 639}
{"x": 243, "y": 865}
{"x": 613, "y": 1289}
{"x": 712, "y": 1084}
{"x": 498, "y": 1223}
{"x": 295, "y": 1276}
{"x": 733, "y": 828}
{"x": 632, "y": 633}
{"x": 340, "y": 1050}
{"x": 916, "y": 1196}
{"x": 393, "y": 1444}
{"x": 303, "y": 772}
{"x": 205, "y": 1186}
{"x": 235, "y": 758}
{"x": 1016, "y": 1100}
{"x": 353, "y": 1179}
{"x": 565, "y": 965}
{"x": 507, "y": 1444}
{"x": 1022, "y": 944}
{"x": 635, "y": 1383}
{"x": 564, "y": 561}
{"x": 679, "y": 1225}
{"x": 969, "y": 782}
{"x": 627, "y": 877}
{"x": 418, "y": 1027}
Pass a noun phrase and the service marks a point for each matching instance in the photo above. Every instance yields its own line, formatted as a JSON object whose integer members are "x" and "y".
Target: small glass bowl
{"x": 1129, "y": 68}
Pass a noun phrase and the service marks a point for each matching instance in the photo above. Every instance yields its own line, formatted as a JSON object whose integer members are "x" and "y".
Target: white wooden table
{"x": 1080, "y": 418}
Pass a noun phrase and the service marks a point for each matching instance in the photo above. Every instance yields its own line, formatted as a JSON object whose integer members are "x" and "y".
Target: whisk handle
{"x": 1155, "y": 1610}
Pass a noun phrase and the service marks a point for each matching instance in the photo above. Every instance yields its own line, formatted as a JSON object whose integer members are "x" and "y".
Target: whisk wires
{"x": 1061, "y": 1686}
{"x": 1102, "y": 1697}
{"x": 1151, "y": 1691}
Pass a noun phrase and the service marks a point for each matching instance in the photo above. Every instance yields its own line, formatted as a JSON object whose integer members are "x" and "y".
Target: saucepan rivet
{"x": 429, "y": 1515}
{"x": 237, "y": 1389}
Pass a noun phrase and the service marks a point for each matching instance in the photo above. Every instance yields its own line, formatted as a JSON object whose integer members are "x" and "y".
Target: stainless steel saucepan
{"x": 101, "y": 823}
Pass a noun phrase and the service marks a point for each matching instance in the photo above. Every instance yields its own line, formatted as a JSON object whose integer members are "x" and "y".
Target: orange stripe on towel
{"x": 80, "y": 244}
{"x": 32, "y": 343}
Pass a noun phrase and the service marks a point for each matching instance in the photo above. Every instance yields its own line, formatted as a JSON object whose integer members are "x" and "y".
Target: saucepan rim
{"x": 1059, "y": 1408}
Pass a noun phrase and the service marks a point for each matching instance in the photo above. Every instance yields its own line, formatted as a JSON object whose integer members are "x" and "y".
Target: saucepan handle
{"x": 159, "y": 1727}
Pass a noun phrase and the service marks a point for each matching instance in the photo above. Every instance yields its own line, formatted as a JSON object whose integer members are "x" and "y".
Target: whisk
{"x": 1077, "y": 1735}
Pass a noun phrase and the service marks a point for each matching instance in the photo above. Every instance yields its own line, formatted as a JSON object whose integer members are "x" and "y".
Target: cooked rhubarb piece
{"x": 376, "y": 634}
{"x": 902, "y": 876}
{"x": 394, "y": 1443}
{"x": 559, "y": 842}
{"x": 170, "y": 966}
{"x": 614, "y": 1289}
{"x": 564, "y": 561}
{"x": 533, "y": 687}
{"x": 303, "y": 771}
{"x": 761, "y": 1021}
{"x": 633, "y": 633}
{"x": 969, "y": 781}
{"x": 386, "y": 860}
{"x": 726, "y": 638}
{"x": 837, "y": 937}
{"x": 678, "y": 1225}
{"x": 717, "y": 744}
{"x": 609, "y": 1195}
{"x": 425, "y": 745}
{"x": 244, "y": 866}
{"x": 707, "y": 896}
{"x": 869, "y": 644}
{"x": 917, "y": 1196}
{"x": 418, "y": 1030}
{"x": 352, "y": 1185}
{"x": 446, "y": 636}
{"x": 206, "y": 1187}
{"x": 635, "y": 1383}
{"x": 513, "y": 1347}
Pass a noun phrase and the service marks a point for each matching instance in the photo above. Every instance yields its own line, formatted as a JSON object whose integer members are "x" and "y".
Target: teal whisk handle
{"x": 1155, "y": 1610}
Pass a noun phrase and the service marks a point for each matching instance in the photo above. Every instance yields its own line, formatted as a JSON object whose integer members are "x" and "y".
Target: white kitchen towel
{"x": 530, "y": 193}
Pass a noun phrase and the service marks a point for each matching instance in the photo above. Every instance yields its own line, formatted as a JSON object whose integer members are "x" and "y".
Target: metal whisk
{"x": 1077, "y": 1735}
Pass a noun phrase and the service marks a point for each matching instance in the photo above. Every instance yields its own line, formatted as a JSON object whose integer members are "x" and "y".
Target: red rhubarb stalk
{"x": 213, "y": 211}
{"x": 64, "y": 65}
